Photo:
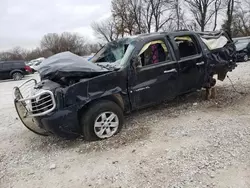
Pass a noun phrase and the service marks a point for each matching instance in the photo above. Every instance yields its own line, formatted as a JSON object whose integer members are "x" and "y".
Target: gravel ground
{"x": 188, "y": 142}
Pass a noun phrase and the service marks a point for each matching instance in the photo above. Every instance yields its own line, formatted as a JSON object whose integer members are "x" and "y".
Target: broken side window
{"x": 154, "y": 52}
{"x": 187, "y": 46}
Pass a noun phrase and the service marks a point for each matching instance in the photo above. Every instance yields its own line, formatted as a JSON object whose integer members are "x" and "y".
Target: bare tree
{"x": 36, "y": 53}
{"x": 93, "y": 48}
{"x": 137, "y": 9}
{"x": 229, "y": 19}
{"x": 4, "y": 56}
{"x": 57, "y": 43}
{"x": 179, "y": 21}
{"x": 161, "y": 12}
{"x": 148, "y": 15}
{"x": 128, "y": 16}
{"x": 178, "y": 13}
{"x": 106, "y": 30}
{"x": 141, "y": 16}
{"x": 16, "y": 53}
{"x": 217, "y": 8}
{"x": 202, "y": 11}
{"x": 51, "y": 42}
{"x": 241, "y": 20}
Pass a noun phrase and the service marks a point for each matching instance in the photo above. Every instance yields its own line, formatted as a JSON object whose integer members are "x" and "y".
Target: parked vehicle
{"x": 13, "y": 69}
{"x": 78, "y": 97}
{"x": 34, "y": 64}
{"x": 241, "y": 39}
{"x": 243, "y": 50}
{"x": 34, "y": 67}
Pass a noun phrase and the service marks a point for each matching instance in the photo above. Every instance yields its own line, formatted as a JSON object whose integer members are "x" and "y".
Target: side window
{"x": 154, "y": 52}
{"x": 7, "y": 65}
{"x": 18, "y": 64}
{"x": 187, "y": 46}
{"x": 15, "y": 65}
{"x": 38, "y": 63}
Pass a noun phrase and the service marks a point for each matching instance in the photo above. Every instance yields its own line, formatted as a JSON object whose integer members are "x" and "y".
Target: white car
{"x": 35, "y": 65}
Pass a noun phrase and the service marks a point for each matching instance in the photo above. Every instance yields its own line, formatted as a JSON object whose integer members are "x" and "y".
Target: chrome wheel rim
{"x": 17, "y": 76}
{"x": 246, "y": 57}
{"x": 106, "y": 125}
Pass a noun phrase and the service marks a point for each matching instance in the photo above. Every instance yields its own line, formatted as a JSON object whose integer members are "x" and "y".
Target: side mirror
{"x": 136, "y": 62}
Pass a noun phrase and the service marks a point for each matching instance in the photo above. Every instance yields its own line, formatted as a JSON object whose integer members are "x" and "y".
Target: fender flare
{"x": 115, "y": 97}
{"x": 15, "y": 70}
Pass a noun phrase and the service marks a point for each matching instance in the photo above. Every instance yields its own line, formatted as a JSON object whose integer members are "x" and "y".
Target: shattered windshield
{"x": 115, "y": 52}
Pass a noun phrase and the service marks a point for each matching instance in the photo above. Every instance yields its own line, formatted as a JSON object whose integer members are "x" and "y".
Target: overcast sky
{"x": 24, "y": 22}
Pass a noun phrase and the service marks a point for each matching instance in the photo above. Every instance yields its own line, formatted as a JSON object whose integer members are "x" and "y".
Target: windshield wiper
{"x": 109, "y": 66}
{"x": 103, "y": 66}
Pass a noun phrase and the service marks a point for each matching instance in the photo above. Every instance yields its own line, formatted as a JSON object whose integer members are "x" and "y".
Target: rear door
{"x": 19, "y": 65}
{"x": 157, "y": 77}
{"x": 191, "y": 62}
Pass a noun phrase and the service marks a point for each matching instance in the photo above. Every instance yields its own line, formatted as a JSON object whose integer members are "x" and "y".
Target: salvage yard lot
{"x": 188, "y": 142}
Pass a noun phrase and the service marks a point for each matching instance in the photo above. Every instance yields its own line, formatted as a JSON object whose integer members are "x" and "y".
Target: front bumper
{"x": 63, "y": 122}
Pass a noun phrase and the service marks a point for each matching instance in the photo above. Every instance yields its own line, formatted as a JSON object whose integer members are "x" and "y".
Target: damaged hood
{"x": 67, "y": 64}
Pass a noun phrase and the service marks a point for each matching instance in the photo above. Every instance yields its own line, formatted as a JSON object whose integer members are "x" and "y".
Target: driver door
{"x": 156, "y": 78}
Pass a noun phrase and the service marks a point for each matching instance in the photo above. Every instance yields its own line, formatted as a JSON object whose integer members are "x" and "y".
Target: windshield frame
{"x": 131, "y": 42}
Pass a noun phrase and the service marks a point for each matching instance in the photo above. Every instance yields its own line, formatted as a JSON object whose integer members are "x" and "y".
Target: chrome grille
{"x": 38, "y": 104}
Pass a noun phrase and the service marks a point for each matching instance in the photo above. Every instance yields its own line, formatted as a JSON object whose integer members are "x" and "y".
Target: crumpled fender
{"x": 106, "y": 87}
{"x": 221, "y": 57}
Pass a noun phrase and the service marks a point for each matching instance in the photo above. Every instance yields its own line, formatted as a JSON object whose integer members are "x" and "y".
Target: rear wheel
{"x": 17, "y": 76}
{"x": 102, "y": 120}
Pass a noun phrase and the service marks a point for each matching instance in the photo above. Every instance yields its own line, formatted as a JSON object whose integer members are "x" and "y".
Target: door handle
{"x": 201, "y": 63}
{"x": 171, "y": 70}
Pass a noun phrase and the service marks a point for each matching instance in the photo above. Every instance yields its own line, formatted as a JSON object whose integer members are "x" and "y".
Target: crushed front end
{"x": 40, "y": 108}
{"x": 52, "y": 105}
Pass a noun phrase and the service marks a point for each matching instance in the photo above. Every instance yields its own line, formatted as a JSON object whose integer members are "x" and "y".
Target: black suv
{"x": 13, "y": 69}
{"x": 78, "y": 97}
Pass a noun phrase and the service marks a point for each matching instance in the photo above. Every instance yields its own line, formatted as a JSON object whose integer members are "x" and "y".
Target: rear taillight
{"x": 27, "y": 68}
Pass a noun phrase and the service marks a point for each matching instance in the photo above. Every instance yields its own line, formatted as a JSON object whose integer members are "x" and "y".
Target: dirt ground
{"x": 188, "y": 142}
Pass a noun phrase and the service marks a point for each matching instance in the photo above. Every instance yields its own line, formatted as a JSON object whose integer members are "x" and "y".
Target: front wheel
{"x": 17, "y": 76}
{"x": 102, "y": 120}
{"x": 245, "y": 57}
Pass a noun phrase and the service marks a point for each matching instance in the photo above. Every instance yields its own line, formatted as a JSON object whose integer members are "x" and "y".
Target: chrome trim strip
{"x": 201, "y": 63}
{"x": 171, "y": 70}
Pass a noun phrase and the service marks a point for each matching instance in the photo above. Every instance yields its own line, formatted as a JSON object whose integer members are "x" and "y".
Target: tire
{"x": 17, "y": 76}
{"x": 96, "y": 123}
{"x": 245, "y": 58}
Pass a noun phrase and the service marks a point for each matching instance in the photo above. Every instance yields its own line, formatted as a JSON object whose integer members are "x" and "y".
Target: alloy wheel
{"x": 106, "y": 125}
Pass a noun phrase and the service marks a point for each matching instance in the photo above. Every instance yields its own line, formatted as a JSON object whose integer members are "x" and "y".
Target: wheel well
{"x": 116, "y": 98}
{"x": 14, "y": 71}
